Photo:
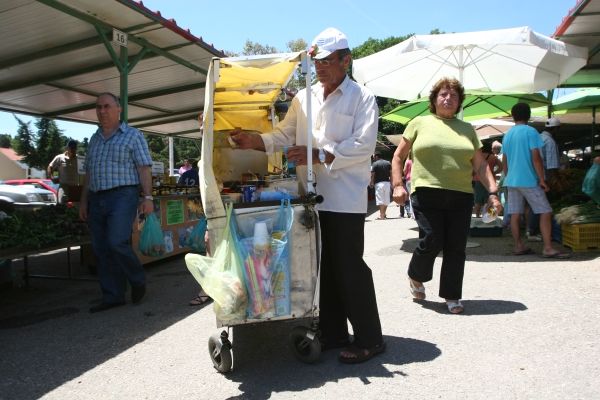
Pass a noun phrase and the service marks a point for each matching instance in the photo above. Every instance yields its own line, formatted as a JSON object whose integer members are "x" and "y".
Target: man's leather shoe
{"x": 137, "y": 293}
{"x": 105, "y": 306}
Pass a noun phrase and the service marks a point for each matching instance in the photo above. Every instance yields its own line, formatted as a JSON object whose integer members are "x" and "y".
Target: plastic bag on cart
{"x": 221, "y": 276}
{"x": 265, "y": 258}
{"x": 195, "y": 240}
{"x": 151, "y": 238}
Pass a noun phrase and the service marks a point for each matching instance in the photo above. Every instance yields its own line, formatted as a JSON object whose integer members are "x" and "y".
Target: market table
{"x": 21, "y": 252}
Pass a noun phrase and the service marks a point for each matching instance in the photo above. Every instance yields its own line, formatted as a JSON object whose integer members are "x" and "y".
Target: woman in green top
{"x": 445, "y": 152}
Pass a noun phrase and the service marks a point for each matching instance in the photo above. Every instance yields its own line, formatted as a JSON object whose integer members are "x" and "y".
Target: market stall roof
{"x": 58, "y": 55}
{"x": 581, "y": 27}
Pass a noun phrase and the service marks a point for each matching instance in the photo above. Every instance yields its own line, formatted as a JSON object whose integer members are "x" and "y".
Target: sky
{"x": 274, "y": 23}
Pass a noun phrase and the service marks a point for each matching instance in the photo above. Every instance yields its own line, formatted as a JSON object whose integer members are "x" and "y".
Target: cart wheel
{"x": 220, "y": 353}
{"x": 305, "y": 344}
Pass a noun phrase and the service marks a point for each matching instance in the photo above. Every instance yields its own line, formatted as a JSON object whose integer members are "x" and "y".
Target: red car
{"x": 38, "y": 183}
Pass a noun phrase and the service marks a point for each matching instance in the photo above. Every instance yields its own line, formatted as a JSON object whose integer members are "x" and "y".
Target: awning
{"x": 58, "y": 55}
{"x": 581, "y": 27}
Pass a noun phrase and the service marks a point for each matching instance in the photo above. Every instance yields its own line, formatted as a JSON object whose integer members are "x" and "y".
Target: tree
{"x": 297, "y": 45}
{"x": 49, "y": 142}
{"x": 5, "y": 140}
{"x": 253, "y": 48}
{"x": 39, "y": 149}
{"x": 24, "y": 144}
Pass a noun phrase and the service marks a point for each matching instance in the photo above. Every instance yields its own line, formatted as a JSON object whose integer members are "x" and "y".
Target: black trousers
{"x": 347, "y": 290}
{"x": 444, "y": 218}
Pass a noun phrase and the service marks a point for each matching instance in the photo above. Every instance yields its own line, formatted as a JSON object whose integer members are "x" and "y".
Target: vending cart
{"x": 262, "y": 226}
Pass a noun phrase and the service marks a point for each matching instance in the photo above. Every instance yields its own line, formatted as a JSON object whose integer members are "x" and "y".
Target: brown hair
{"x": 450, "y": 83}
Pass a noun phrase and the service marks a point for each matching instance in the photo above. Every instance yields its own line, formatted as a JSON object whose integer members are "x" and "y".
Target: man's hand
{"x": 247, "y": 140}
{"x": 146, "y": 207}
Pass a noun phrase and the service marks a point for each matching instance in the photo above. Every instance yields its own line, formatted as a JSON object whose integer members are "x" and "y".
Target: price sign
{"x": 119, "y": 38}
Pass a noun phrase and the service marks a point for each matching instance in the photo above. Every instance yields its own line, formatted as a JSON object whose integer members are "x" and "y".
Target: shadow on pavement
{"x": 263, "y": 362}
{"x": 476, "y": 307}
{"x": 48, "y": 336}
{"x": 495, "y": 249}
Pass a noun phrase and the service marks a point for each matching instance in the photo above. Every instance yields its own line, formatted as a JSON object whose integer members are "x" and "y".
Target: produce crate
{"x": 581, "y": 237}
{"x": 481, "y": 229}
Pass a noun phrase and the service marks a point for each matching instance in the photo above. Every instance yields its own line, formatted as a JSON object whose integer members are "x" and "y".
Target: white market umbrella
{"x": 516, "y": 60}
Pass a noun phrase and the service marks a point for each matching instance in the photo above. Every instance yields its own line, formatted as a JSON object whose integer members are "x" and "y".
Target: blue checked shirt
{"x": 113, "y": 162}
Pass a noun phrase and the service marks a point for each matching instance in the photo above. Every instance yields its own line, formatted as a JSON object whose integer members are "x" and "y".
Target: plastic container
{"x": 581, "y": 237}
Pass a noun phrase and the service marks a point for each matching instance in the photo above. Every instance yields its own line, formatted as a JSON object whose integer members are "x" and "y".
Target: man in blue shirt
{"x": 525, "y": 180}
{"x": 117, "y": 164}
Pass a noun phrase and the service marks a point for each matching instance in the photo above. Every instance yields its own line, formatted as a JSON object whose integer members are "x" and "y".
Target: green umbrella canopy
{"x": 477, "y": 105}
{"x": 581, "y": 100}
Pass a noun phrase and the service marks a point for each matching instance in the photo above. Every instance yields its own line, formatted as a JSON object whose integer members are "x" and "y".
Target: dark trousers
{"x": 110, "y": 217}
{"x": 347, "y": 290}
{"x": 444, "y": 218}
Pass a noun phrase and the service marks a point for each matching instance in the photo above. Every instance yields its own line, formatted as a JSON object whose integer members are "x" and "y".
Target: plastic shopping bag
{"x": 265, "y": 262}
{"x": 220, "y": 276}
{"x": 591, "y": 183}
{"x": 281, "y": 259}
{"x": 196, "y": 239}
{"x": 151, "y": 238}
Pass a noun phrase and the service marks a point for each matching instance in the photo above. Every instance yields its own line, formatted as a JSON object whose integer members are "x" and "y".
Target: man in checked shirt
{"x": 118, "y": 166}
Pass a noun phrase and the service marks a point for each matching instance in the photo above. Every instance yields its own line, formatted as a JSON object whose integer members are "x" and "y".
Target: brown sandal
{"x": 359, "y": 355}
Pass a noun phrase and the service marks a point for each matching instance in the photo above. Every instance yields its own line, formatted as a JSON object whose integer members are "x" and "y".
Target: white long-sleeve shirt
{"x": 345, "y": 125}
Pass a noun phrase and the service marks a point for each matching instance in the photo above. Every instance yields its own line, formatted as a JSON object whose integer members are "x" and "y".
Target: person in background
{"x": 551, "y": 161}
{"x": 190, "y": 177}
{"x": 445, "y": 151}
{"x": 118, "y": 163}
{"x": 185, "y": 167}
{"x": 380, "y": 180}
{"x": 480, "y": 192}
{"x": 525, "y": 181}
{"x": 406, "y": 176}
{"x": 66, "y": 166}
{"x": 344, "y": 119}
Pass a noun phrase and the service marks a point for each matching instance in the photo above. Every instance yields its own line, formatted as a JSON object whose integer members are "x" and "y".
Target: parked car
{"x": 24, "y": 196}
{"x": 38, "y": 183}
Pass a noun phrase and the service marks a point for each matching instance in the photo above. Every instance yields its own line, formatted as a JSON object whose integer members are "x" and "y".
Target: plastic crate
{"x": 581, "y": 237}
{"x": 481, "y": 229}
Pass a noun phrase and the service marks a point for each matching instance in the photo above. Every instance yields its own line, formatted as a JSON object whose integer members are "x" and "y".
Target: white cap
{"x": 327, "y": 42}
{"x": 552, "y": 122}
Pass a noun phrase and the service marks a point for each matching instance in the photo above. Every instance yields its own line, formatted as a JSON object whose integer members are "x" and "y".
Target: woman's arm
{"x": 399, "y": 192}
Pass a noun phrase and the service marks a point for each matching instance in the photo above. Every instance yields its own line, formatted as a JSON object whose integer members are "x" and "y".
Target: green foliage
{"x": 297, "y": 45}
{"x": 253, "y": 48}
{"x": 40, "y": 148}
{"x": 50, "y": 142}
{"x": 182, "y": 149}
{"x": 24, "y": 143}
{"x": 44, "y": 227}
{"x": 5, "y": 140}
{"x": 371, "y": 46}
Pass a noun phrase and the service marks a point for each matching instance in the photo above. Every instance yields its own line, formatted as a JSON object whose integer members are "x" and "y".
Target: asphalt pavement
{"x": 529, "y": 331}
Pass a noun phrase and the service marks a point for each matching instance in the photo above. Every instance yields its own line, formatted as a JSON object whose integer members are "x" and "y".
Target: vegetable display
{"x": 588, "y": 213}
{"x": 41, "y": 228}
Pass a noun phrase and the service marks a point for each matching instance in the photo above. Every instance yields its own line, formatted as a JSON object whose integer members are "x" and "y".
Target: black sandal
{"x": 359, "y": 355}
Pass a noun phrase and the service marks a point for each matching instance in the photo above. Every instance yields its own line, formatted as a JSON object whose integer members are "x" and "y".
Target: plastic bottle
{"x": 490, "y": 214}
